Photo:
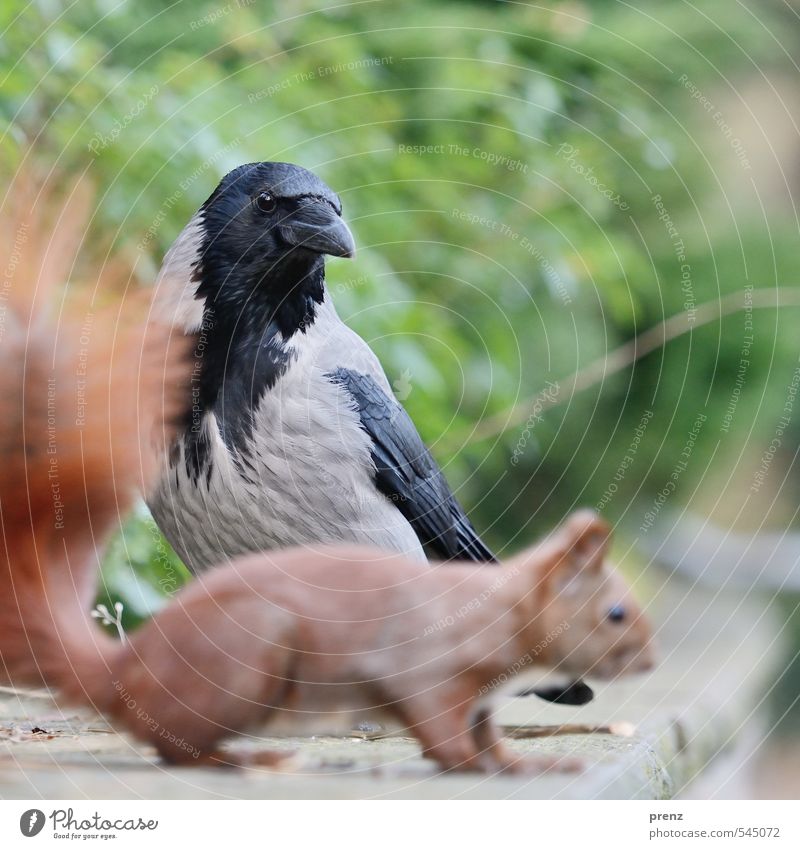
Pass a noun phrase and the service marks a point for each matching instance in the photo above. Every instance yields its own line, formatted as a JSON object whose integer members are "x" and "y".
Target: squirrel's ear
{"x": 591, "y": 538}
{"x": 581, "y": 543}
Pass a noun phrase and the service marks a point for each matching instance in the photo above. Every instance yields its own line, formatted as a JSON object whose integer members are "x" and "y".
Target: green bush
{"x": 525, "y": 246}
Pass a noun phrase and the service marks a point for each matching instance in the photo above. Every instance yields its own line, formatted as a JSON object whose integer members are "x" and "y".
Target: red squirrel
{"x": 276, "y": 638}
{"x": 271, "y": 638}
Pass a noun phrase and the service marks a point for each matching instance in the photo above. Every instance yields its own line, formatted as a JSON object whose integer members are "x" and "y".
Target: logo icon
{"x": 31, "y": 822}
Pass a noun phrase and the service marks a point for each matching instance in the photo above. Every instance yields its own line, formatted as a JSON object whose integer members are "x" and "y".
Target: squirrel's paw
{"x": 266, "y": 758}
{"x": 539, "y": 764}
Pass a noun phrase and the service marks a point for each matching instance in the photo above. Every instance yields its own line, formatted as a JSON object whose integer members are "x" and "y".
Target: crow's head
{"x": 268, "y": 219}
{"x": 260, "y": 239}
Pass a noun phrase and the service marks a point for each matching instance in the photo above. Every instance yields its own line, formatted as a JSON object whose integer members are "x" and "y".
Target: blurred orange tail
{"x": 91, "y": 386}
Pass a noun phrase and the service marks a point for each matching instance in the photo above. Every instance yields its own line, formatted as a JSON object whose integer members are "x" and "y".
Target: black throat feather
{"x": 243, "y": 345}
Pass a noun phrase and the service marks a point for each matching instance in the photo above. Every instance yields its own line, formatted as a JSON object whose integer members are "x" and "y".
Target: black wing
{"x": 407, "y": 474}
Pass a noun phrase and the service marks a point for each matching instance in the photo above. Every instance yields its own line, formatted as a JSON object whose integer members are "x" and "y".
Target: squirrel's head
{"x": 588, "y": 620}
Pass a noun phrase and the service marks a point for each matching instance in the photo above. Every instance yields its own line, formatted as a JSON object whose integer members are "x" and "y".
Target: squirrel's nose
{"x": 633, "y": 660}
{"x": 646, "y": 659}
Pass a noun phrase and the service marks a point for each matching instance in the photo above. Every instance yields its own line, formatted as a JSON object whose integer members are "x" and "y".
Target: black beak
{"x": 316, "y": 226}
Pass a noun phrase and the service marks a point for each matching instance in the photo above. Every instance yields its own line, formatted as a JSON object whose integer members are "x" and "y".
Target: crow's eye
{"x": 266, "y": 202}
{"x": 616, "y": 613}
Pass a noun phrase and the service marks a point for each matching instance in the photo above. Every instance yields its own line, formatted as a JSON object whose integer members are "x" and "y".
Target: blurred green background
{"x": 530, "y": 187}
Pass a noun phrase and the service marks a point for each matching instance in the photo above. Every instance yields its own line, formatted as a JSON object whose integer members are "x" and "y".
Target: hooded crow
{"x": 294, "y": 435}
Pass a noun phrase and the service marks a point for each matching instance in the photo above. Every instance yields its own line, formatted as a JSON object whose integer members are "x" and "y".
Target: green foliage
{"x": 140, "y": 569}
{"x": 489, "y": 265}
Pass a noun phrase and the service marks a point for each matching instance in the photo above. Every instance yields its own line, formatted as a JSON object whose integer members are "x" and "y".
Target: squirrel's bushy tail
{"x": 91, "y": 387}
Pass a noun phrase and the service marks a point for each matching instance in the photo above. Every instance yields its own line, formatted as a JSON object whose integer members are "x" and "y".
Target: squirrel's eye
{"x": 617, "y": 613}
{"x": 266, "y": 202}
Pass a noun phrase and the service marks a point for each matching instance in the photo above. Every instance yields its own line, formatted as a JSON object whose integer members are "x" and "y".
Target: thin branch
{"x": 620, "y": 358}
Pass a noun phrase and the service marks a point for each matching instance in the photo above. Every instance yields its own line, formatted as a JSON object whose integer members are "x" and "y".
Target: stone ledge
{"x": 716, "y": 655}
